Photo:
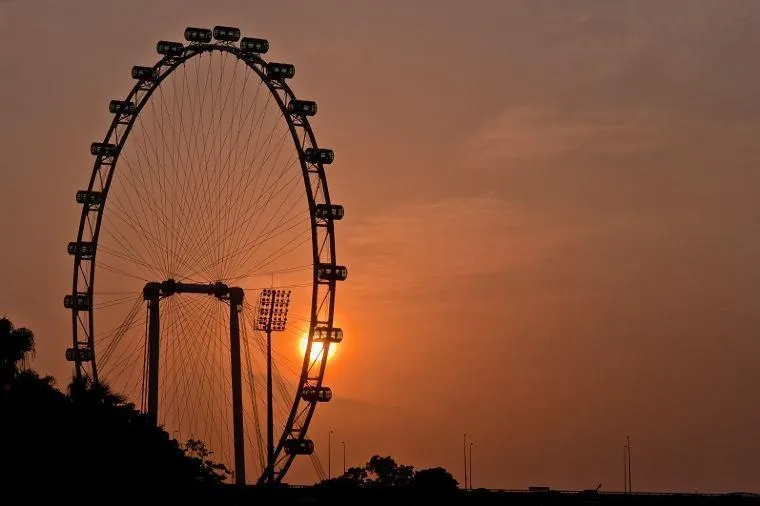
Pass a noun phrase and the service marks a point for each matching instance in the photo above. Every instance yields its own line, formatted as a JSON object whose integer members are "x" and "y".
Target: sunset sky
{"x": 552, "y": 220}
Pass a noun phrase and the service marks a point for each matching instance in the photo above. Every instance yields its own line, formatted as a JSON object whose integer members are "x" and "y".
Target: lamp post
{"x": 272, "y": 314}
{"x": 625, "y": 469}
{"x": 471, "y": 445}
{"x": 329, "y": 455}
{"x": 628, "y": 446}
{"x": 464, "y": 453}
{"x": 344, "y": 456}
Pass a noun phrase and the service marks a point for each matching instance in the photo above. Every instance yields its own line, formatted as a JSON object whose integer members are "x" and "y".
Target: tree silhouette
{"x": 385, "y": 472}
{"x": 16, "y": 347}
{"x": 88, "y": 439}
{"x": 196, "y": 450}
{"x": 436, "y": 480}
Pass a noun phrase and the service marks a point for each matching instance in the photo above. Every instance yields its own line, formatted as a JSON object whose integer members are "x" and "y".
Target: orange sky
{"x": 551, "y": 228}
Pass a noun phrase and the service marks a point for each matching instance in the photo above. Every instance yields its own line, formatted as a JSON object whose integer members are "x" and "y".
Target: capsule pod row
{"x": 316, "y": 394}
{"x": 302, "y": 107}
{"x": 226, "y": 34}
{"x": 90, "y": 197}
{"x": 84, "y": 249}
{"x": 319, "y": 155}
{"x": 80, "y": 354}
{"x": 299, "y": 446}
{"x": 169, "y": 48}
{"x": 324, "y": 334}
{"x": 330, "y": 272}
{"x": 103, "y": 149}
{"x": 144, "y": 74}
{"x": 80, "y": 301}
{"x": 329, "y": 212}
{"x": 122, "y": 107}
{"x": 204, "y": 35}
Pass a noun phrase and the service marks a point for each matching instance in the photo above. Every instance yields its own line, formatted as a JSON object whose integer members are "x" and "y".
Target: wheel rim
{"x": 152, "y": 212}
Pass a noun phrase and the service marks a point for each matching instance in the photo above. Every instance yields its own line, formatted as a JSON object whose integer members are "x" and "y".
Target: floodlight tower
{"x": 272, "y": 316}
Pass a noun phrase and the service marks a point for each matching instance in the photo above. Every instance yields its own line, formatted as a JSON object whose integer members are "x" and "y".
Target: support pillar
{"x": 151, "y": 293}
{"x": 236, "y": 301}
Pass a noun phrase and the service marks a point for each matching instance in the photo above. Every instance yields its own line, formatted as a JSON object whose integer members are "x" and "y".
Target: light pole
{"x": 272, "y": 314}
{"x": 464, "y": 452}
{"x": 344, "y": 456}
{"x": 625, "y": 469}
{"x": 628, "y": 445}
{"x": 471, "y": 445}
{"x": 329, "y": 455}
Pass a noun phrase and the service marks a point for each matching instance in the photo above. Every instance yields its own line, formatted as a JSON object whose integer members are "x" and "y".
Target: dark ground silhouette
{"x": 76, "y": 444}
{"x": 89, "y": 446}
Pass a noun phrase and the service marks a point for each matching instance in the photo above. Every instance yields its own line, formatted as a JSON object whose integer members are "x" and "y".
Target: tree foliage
{"x": 436, "y": 479}
{"x": 89, "y": 437}
{"x": 16, "y": 349}
{"x": 386, "y": 474}
{"x": 196, "y": 450}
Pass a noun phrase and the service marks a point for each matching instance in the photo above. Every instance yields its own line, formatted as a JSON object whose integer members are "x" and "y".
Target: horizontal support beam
{"x": 169, "y": 287}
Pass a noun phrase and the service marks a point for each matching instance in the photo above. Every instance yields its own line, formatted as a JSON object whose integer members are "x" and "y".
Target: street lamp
{"x": 464, "y": 453}
{"x": 344, "y": 456}
{"x": 628, "y": 447}
{"x": 329, "y": 455}
{"x": 272, "y": 314}
{"x": 471, "y": 445}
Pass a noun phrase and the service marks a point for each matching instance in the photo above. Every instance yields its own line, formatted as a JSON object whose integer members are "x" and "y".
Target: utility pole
{"x": 344, "y": 456}
{"x": 329, "y": 455}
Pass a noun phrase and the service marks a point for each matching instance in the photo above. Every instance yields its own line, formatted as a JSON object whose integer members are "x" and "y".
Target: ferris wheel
{"x": 208, "y": 225}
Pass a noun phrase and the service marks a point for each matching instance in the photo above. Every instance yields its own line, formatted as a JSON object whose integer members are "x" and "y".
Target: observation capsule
{"x": 83, "y": 249}
{"x": 144, "y": 74}
{"x": 122, "y": 107}
{"x": 84, "y": 354}
{"x": 280, "y": 70}
{"x": 299, "y": 447}
{"x": 90, "y": 197}
{"x": 103, "y": 149}
{"x": 251, "y": 45}
{"x": 227, "y": 33}
{"x": 319, "y": 155}
{"x": 329, "y": 212}
{"x": 166, "y": 47}
{"x": 316, "y": 394}
{"x": 304, "y": 107}
{"x": 323, "y": 334}
{"x": 80, "y": 301}
{"x": 329, "y": 272}
{"x": 202, "y": 35}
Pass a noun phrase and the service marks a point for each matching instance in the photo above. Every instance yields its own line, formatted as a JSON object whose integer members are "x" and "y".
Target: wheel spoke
{"x": 207, "y": 184}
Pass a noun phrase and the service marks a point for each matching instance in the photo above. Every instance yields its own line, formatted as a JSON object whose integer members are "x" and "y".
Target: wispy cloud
{"x": 437, "y": 242}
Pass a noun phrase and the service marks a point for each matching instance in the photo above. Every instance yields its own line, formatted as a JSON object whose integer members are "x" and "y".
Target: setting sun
{"x": 316, "y": 349}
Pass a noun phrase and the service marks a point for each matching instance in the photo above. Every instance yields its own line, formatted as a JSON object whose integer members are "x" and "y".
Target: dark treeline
{"x": 78, "y": 443}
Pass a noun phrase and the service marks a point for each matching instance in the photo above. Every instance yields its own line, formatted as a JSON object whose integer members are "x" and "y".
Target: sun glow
{"x": 316, "y": 349}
